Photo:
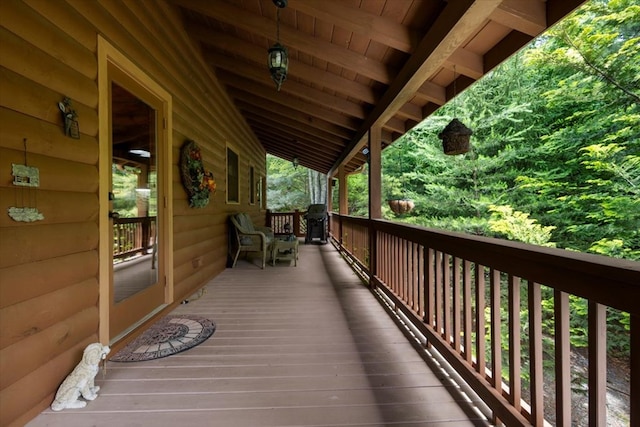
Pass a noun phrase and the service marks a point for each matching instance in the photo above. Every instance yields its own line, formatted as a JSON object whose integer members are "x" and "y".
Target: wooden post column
{"x": 329, "y": 193}
{"x": 375, "y": 172}
{"x": 343, "y": 202}
{"x": 375, "y": 196}
{"x": 343, "y": 207}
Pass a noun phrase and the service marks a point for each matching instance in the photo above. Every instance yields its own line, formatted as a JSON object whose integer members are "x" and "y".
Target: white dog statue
{"x": 80, "y": 382}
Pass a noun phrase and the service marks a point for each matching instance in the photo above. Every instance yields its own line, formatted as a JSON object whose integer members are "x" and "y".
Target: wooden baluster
{"x": 438, "y": 288}
{"x": 399, "y": 267}
{"x": 383, "y": 258}
{"x": 429, "y": 288}
{"x": 421, "y": 281}
{"x": 446, "y": 296}
{"x": 535, "y": 354}
{"x": 456, "y": 304}
{"x": 416, "y": 278}
{"x": 467, "y": 310}
{"x": 563, "y": 361}
{"x": 496, "y": 336}
{"x": 116, "y": 231}
{"x": 394, "y": 264}
{"x": 597, "y": 365}
{"x": 480, "y": 338}
{"x": 402, "y": 273}
{"x": 515, "y": 350}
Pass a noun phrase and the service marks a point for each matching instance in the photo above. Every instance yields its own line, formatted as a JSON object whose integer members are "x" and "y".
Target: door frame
{"x": 109, "y": 56}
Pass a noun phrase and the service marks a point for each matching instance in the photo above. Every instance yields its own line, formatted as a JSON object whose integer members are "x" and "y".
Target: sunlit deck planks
{"x": 294, "y": 346}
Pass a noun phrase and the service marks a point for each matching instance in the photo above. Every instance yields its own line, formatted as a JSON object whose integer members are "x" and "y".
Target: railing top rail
{"x": 133, "y": 219}
{"x": 610, "y": 281}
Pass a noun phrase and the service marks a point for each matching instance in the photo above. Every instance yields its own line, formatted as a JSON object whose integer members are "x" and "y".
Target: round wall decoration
{"x": 198, "y": 182}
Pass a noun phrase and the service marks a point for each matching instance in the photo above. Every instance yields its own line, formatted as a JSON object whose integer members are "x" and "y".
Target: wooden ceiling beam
{"x": 432, "y": 93}
{"x": 307, "y": 162}
{"x": 308, "y": 156}
{"x": 394, "y": 124}
{"x": 410, "y": 111}
{"x": 297, "y": 69}
{"x": 259, "y": 94}
{"x": 456, "y": 23}
{"x": 274, "y": 117}
{"x": 463, "y": 61}
{"x": 303, "y": 159}
{"x": 505, "y": 48}
{"x": 370, "y": 25}
{"x": 298, "y": 148}
{"x": 293, "y": 132}
{"x": 290, "y": 87}
{"x": 528, "y": 17}
{"x": 290, "y": 37}
{"x": 300, "y": 118}
{"x": 387, "y": 136}
{"x": 273, "y": 145}
{"x": 265, "y": 90}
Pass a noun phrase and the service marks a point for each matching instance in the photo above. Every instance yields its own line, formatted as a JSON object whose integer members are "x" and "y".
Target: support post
{"x": 375, "y": 195}
{"x": 375, "y": 172}
{"x": 343, "y": 191}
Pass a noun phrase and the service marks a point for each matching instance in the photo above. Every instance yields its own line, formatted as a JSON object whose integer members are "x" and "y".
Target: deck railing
{"x": 277, "y": 221}
{"x": 132, "y": 236}
{"x": 479, "y": 303}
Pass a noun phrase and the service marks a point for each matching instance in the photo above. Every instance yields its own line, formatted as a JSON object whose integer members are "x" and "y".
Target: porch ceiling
{"x": 356, "y": 63}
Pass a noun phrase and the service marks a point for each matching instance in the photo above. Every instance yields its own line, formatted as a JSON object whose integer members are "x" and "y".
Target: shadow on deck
{"x": 294, "y": 346}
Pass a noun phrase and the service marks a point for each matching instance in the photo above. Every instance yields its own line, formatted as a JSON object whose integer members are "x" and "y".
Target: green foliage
{"x": 290, "y": 188}
{"x": 515, "y": 225}
{"x": 555, "y": 156}
{"x": 358, "y": 185}
{"x": 124, "y": 183}
{"x": 556, "y": 139}
{"x": 287, "y": 188}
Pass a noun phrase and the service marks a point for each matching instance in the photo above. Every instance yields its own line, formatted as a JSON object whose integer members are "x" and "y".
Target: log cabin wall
{"x": 49, "y": 268}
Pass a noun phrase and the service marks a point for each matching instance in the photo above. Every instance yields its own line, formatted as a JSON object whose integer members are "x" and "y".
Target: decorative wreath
{"x": 198, "y": 182}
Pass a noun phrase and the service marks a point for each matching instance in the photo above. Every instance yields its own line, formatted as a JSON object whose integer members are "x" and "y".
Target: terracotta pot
{"x": 401, "y": 206}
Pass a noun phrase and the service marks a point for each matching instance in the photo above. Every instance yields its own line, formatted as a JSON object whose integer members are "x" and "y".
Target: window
{"x": 233, "y": 177}
{"x": 252, "y": 186}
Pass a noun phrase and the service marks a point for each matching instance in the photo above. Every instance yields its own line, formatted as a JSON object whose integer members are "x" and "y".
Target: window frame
{"x": 232, "y": 180}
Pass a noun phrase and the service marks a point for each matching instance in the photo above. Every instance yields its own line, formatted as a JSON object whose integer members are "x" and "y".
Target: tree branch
{"x": 603, "y": 74}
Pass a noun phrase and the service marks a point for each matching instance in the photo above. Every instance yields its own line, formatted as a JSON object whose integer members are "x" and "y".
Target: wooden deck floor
{"x": 294, "y": 346}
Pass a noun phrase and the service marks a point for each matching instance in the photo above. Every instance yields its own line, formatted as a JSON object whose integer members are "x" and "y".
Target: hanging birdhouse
{"x": 455, "y": 138}
{"x": 401, "y": 206}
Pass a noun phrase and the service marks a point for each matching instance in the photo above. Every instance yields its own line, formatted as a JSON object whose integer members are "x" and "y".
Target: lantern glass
{"x": 278, "y": 62}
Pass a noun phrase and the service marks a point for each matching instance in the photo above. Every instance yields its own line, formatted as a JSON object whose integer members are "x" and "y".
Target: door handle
{"x": 114, "y": 215}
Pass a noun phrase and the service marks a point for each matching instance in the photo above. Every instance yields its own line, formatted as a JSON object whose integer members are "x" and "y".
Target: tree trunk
{"x": 317, "y": 187}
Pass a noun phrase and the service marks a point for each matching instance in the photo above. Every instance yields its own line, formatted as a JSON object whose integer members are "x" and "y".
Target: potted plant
{"x": 397, "y": 201}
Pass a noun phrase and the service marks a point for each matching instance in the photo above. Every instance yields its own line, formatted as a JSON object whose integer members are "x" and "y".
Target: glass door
{"x": 137, "y": 285}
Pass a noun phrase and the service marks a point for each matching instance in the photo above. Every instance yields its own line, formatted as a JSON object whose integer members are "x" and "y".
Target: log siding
{"x": 49, "y": 269}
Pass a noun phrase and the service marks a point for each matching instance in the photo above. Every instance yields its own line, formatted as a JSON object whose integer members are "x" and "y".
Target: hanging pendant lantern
{"x": 278, "y": 59}
{"x": 278, "y": 64}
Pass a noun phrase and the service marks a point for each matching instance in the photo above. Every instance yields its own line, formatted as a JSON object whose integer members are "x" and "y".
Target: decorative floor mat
{"x": 169, "y": 335}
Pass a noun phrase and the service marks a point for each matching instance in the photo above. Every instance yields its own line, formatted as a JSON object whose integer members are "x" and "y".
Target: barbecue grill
{"x": 316, "y": 218}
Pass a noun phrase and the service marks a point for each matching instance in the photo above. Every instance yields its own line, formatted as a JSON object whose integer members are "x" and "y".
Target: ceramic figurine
{"x": 80, "y": 382}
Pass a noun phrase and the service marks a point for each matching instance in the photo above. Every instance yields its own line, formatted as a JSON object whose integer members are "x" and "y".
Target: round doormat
{"x": 169, "y": 335}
